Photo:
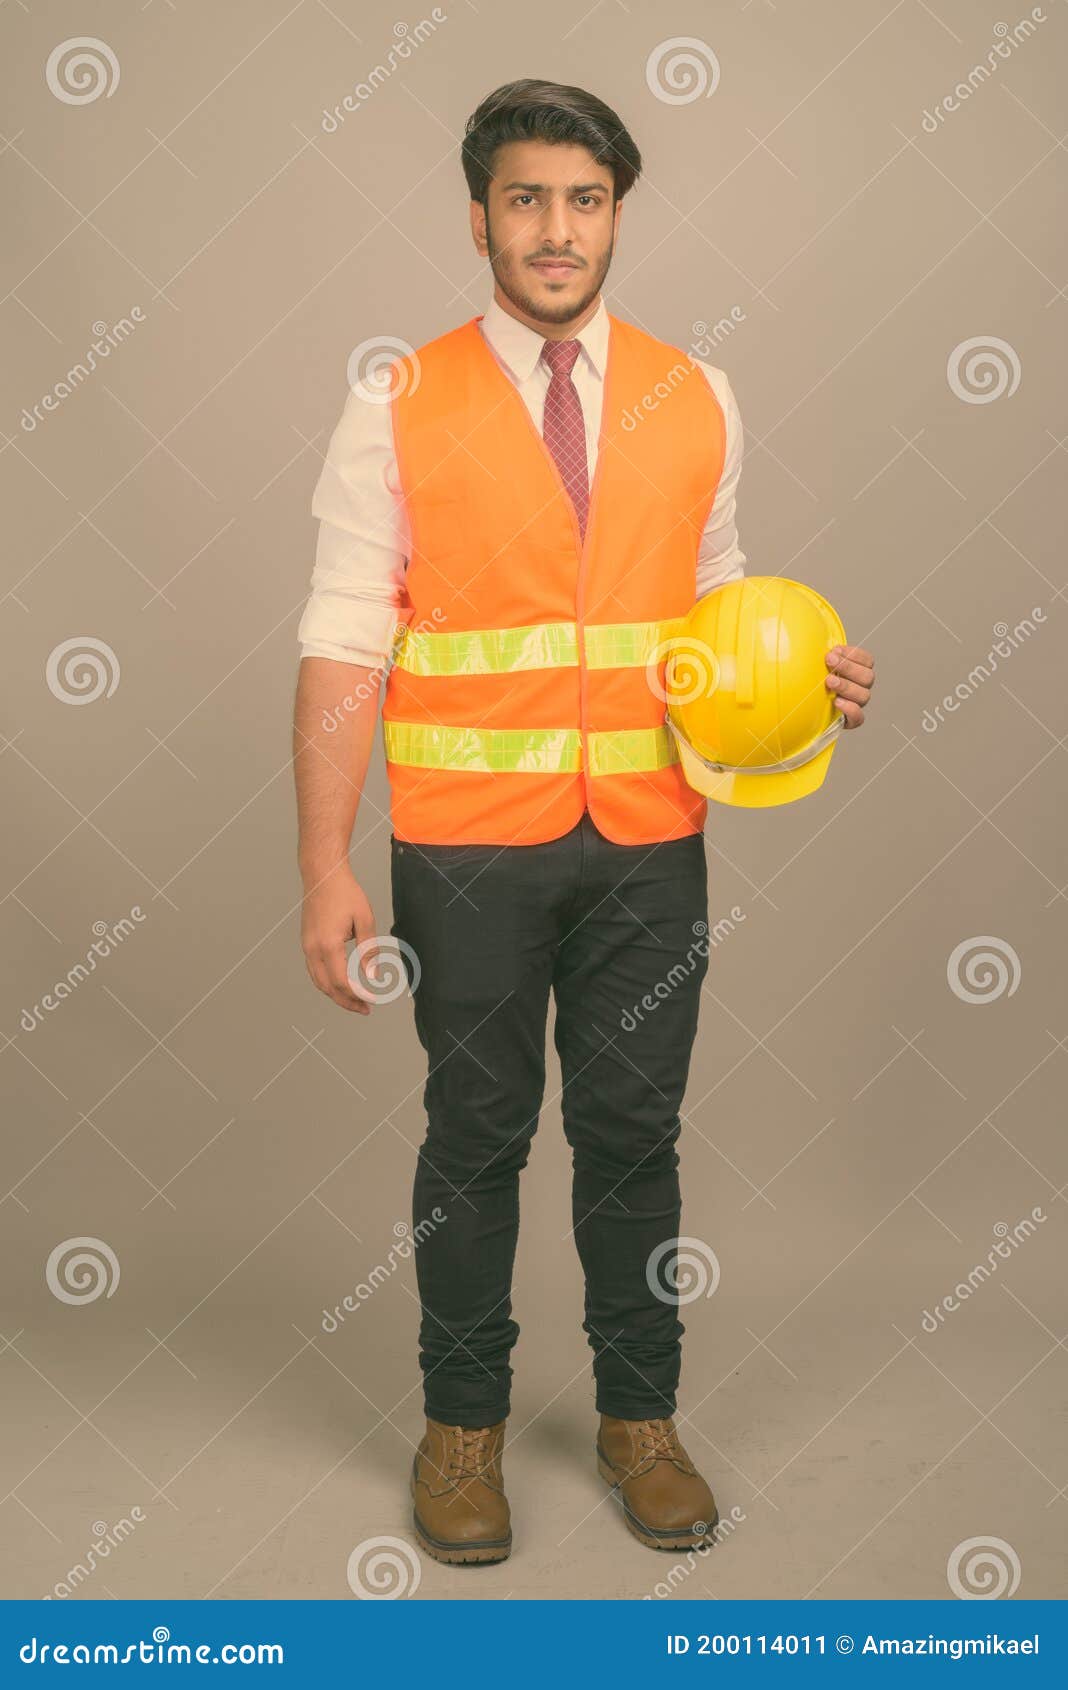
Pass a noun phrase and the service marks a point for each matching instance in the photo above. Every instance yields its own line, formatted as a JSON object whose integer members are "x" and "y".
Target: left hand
{"x": 851, "y": 680}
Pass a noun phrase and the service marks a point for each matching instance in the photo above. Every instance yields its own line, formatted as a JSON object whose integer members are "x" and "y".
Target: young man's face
{"x": 547, "y": 203}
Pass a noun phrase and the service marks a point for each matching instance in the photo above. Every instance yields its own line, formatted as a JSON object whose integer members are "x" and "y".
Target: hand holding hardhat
{"x": 754, "y": 713}
{"x": 852, "y": 680}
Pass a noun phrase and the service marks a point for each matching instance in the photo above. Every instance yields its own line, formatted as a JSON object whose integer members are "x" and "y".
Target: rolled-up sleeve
{"x": 720, "y": 557}
{"x": 358, "y": 591}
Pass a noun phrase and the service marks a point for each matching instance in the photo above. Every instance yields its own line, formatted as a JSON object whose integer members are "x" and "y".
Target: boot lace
{"x": 660, "y": 1438}
{"x": 467, "y": 1456}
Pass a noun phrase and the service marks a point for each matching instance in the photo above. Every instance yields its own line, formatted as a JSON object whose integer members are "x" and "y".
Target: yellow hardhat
{"x": 748, "y": 703}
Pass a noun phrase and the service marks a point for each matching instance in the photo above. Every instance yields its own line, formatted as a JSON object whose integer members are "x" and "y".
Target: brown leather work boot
{"x": 666, "y": 1503}
{"x": 460, "y": 1510}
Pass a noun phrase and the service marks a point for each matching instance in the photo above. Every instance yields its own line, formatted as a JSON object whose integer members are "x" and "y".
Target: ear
{"x": 478, "y": 228}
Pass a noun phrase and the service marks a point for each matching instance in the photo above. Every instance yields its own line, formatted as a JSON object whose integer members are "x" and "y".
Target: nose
{"x": 556, "y": 222}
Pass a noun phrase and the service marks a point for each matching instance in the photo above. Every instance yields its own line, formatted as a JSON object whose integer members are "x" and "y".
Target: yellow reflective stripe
{"x": 541, "y": 645}
{"x": 539, "y": 751}
{"x": 489, "y": 651}
{"x": 626, "y": 645}
{"x": 630, "y": 751}
{"x": 535, "y": 751}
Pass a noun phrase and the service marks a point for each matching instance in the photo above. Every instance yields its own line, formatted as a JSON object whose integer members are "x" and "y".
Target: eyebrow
{"x": 540, "y": 187}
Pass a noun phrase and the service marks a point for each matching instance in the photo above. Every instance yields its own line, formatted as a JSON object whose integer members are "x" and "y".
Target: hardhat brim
{"x": 754, "y": 791}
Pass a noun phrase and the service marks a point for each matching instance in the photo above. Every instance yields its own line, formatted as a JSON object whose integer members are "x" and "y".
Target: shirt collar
{"x": 520, "y": 347}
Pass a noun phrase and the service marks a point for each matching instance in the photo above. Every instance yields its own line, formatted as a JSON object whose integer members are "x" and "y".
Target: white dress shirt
{"x": 357, "y": 586}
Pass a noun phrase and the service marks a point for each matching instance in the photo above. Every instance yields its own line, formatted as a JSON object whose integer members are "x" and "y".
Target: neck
{"x": 548, "y": 331}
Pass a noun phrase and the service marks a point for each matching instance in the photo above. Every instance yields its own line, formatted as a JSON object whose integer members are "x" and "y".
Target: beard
{"x": 509, "y": 272}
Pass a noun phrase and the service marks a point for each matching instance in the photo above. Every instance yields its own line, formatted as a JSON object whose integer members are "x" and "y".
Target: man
{"x": 544, "y": 497}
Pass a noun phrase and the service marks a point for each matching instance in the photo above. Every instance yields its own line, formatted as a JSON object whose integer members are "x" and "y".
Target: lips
{"x": 553, "y": 267}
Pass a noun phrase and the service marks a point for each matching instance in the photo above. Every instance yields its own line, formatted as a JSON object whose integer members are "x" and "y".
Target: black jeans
{"x": 618, "y": 933}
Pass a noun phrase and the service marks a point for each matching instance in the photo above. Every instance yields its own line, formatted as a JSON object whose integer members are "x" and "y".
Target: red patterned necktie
{"x": 563, "y": 428}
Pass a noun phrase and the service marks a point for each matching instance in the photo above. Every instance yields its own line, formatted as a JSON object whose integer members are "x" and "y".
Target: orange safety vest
{"x": 527, "y": 683}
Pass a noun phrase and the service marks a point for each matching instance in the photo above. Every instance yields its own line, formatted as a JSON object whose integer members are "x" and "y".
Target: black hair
{"x": 532, "y": 110}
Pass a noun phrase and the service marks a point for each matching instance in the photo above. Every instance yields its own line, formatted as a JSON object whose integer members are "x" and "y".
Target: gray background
{"x": 858, "y": 1130}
